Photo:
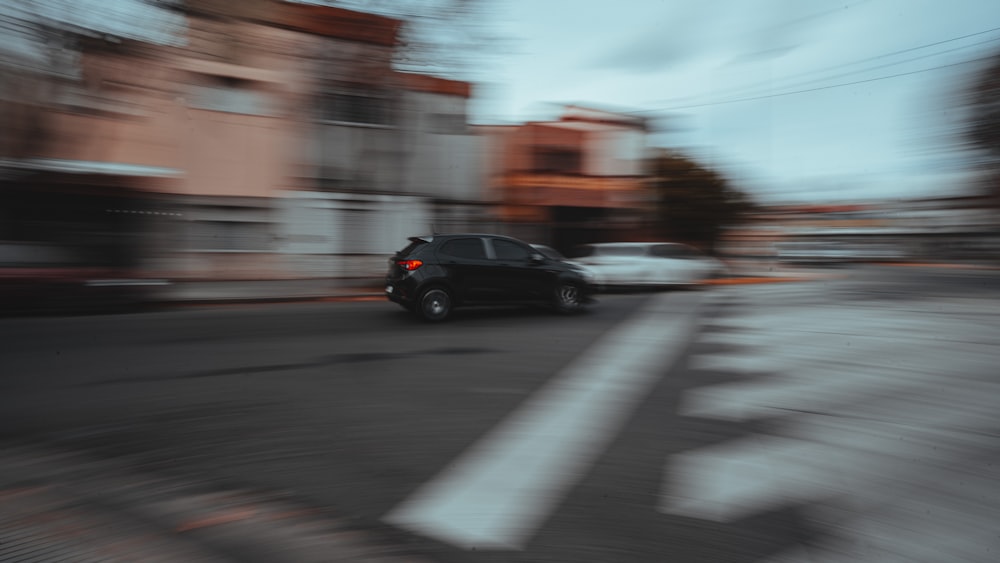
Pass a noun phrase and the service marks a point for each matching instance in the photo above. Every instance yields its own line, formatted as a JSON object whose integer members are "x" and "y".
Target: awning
{"x": 90, "y": 167}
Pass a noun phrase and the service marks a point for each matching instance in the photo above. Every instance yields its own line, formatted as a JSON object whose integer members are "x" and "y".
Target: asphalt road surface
{"x": 849, "y": 419}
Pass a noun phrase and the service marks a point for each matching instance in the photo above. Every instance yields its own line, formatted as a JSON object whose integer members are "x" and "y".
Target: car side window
{"x": 465, "y": 248}
{"x": 507, "y": 250}
{"x": 674, "y": 251}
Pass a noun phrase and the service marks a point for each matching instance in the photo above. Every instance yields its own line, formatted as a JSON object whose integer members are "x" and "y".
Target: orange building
{"x": 577, "y": 179}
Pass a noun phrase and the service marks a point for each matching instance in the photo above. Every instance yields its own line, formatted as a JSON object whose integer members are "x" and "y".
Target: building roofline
{"x": 434, "y": 84}
{"x": 340, "y": 23}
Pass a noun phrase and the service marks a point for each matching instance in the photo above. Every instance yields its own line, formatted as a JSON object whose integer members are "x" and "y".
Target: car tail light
{"x": 409, "y": 265}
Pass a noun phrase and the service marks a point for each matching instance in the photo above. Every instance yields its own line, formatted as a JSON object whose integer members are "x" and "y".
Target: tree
{"x": 983, "y": 126}
{"x": 694, "y": 203}
{"x": 450, "y": 38}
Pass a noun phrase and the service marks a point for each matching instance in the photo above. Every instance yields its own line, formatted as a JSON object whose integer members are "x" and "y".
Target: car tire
{"x": 434, "y": 305}
{"x": 567, "y": 297}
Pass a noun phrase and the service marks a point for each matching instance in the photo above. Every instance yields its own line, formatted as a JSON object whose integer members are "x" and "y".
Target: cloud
{"x": 743, "y": 32}
{"x": 670, "y": 39}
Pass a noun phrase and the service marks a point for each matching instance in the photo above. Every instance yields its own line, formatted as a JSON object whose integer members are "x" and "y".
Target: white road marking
{"x": 497, "y": 493}
{"x": 861, "y": 427}
{"x": 825, "y": 457}
{"x": 809, "y": 374}
{"x": 727, "y": 482}
{"x": 941, "y": 518}
{"x": 741, "y": 364}
{"x": 887, "y": 445}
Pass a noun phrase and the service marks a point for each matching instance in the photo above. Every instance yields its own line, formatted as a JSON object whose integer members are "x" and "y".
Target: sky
{"x": 717, "y": 77}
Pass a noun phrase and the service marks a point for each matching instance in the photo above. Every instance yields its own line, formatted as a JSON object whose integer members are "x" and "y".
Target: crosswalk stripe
{"x": 727, "y": 482}
{"x": 503, "y": 487}
{"x": 907, "y": 393}
{"x": 879, "y": 444}
{"x": 937, "y": 509}
{"x": 817, "y": 370}
{"x": 824, "y": 456}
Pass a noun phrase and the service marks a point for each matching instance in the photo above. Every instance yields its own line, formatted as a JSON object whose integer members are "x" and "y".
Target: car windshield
{"x": 620, "y": 250}
{"x": 675, "y": 251}
{"x": 548, "y": 252}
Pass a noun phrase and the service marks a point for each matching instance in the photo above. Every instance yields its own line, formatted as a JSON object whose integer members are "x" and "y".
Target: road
{"x": 850, "y": 419}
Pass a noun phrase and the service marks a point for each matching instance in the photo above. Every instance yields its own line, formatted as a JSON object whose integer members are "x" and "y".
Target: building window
{"x": 446, "y": 123}
{"x": 364, "y": 108}
{"x": 229, "y": 236}
{"x": 231, "y": 96}
{"x": 557, "y": 160}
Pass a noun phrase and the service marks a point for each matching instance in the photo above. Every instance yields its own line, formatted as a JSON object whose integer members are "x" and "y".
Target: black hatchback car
{"x": 435, "y": 274}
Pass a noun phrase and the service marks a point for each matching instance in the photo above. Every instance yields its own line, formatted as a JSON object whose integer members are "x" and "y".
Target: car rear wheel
{"x": 434, "y": 305}
{"x": 568, "y": 298}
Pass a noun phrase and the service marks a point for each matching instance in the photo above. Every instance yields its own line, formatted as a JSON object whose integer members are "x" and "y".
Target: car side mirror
{"x": 536, "y": 259}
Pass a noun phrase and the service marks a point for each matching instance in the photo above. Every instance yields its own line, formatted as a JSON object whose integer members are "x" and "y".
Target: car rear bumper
{"x": 398, "y": 291}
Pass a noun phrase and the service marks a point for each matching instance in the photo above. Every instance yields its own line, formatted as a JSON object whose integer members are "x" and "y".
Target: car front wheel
{"x": 435, "y": 305}
{"x": 568, "y": 298}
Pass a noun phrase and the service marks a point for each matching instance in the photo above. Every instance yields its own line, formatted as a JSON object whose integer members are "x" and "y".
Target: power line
{"x": 911, "y": 49}
{"x": 857, "y": 62}
{"x": 879, "y": 67}
{"x": 818, "y": 88}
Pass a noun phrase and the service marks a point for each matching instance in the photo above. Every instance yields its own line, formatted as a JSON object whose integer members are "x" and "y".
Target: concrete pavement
{"x": 66, "y": 505}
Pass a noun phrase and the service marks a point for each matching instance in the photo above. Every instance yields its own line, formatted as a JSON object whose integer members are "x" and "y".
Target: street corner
{"x": 943, "y": 265}
{"x": 786, "y": 277}
{"x": 362, "y": 297}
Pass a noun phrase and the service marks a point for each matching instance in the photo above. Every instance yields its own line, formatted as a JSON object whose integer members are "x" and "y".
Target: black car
{"x": 435, "y": 274}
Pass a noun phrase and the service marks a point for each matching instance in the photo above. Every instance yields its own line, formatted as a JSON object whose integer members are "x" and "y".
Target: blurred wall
{"x": 275, "y": 134}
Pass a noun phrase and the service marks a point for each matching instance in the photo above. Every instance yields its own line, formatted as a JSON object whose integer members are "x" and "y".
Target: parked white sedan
{"x": 641, "y": 264}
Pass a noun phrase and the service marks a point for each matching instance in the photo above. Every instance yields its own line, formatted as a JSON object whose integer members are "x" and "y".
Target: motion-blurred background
{"x": 149, "y": 143}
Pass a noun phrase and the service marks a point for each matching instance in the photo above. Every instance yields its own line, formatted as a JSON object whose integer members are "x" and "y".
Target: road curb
{"x": 215, "y": 301}
{"x": 376, "y": 294}
{"x": 755, "y": 280}
{"x": 943, "y": 265}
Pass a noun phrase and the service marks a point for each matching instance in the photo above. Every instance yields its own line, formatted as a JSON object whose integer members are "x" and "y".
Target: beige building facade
{"x": 274, "y": 139}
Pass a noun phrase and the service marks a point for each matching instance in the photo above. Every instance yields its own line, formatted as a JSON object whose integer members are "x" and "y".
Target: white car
{"x": 641, "y": 264}
{"x": 553, "y": 254}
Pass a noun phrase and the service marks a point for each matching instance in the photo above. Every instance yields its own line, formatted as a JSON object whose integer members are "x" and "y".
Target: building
{"x": 270, "y": 139}
{"x": 577, "y": 179}
{"x": 77, "y": 183}
{"x": 401, "y": 162}
{"x": 934, "y": 229}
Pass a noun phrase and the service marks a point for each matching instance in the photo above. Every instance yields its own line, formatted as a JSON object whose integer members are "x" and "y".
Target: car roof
{"x": 631, "y": 244}
{"x": 429, "y": 238}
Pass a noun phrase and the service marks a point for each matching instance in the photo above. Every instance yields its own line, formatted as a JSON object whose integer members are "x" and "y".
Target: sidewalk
{"x": 65, "y": 506}
{"x": 356, "y": 289}
{"x": 236, "y": 291}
